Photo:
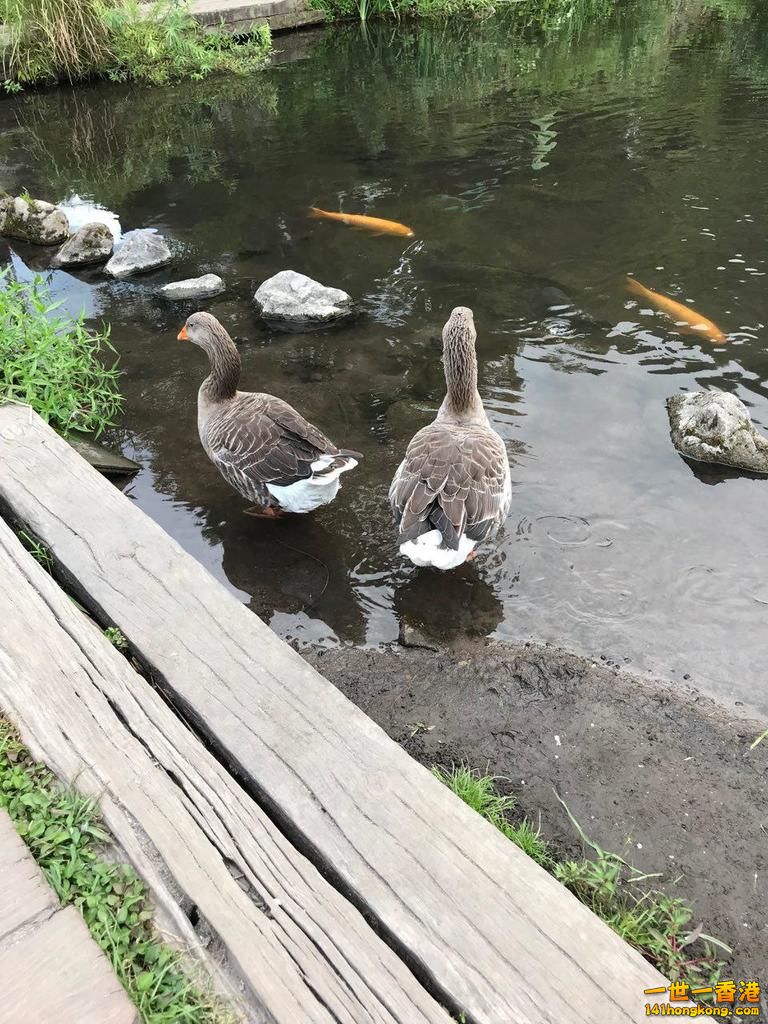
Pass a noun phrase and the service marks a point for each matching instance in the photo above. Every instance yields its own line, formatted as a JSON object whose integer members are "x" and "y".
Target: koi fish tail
{"x": 635, "y": 288}
{"x": 317, "y": 214}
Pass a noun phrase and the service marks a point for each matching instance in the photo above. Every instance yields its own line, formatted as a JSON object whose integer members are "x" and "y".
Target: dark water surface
{"x": 639, "y": 145}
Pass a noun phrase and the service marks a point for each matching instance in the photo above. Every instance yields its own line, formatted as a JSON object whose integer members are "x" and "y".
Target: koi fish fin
{"x": 316, "y": 214}
{"x": 635, "y": 288}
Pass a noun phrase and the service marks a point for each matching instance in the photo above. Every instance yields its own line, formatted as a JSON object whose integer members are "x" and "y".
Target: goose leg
{"x": 264, "y": 512}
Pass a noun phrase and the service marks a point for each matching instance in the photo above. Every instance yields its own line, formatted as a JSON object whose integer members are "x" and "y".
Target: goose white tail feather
{"x": 427, "y": 550}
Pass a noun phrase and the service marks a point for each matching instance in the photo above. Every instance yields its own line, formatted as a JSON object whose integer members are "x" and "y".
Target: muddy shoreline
{"x": 663, "y": 776}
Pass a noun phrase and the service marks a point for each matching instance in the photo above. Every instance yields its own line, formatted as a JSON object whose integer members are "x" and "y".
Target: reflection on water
{"x": 537, "y": 170}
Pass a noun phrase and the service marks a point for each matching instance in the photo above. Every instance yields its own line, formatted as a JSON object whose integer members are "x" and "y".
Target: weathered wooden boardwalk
{"x": 320, "y": 873}
{"x": 51, "y": 970}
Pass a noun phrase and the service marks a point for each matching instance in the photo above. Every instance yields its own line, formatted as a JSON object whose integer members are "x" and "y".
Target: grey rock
{"x": 107, "y": 462}
{"x": 714, "y": 426}
{"x": 193, "y": 288}
{"x": 139, "y": 252}
{"x": 410, "y": 636}
{"x": 91, "y": 244}
{"x": 291, "y": 301}
{"x": 33, "y": 221}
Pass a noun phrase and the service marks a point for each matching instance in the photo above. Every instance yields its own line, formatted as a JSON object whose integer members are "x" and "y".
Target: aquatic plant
{"x": 656, "y": 924}
{"x": 159, "y": 42}
{"x": 52, "y": 362}
{"x": 64, "y": 833}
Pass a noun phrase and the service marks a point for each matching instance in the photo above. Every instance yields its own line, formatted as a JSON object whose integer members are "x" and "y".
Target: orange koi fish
{"x": 686, "y": 319}
{"x": 377, "y": 225}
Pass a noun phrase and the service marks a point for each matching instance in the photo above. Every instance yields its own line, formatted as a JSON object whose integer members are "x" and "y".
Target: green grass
{"x": 50, "y": 361}
{"x": 656, "y": 924}
{"x": 39, "y": 551}
{"x": 65, "y": 834}
{"x": 54, "y": 40}
{"x": 480, "y": 793}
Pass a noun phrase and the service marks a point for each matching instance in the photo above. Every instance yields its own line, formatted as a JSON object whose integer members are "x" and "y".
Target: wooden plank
{"x": 487, "y": 928}
{"x": 25, "y": 896}
{"x": 300, "y": 950}
{"x": 56, "y": 974}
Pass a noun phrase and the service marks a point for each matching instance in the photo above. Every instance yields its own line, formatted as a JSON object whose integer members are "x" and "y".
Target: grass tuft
{"x": 656, "y": 924}
{"x": 52, "y": 362}
{"x": 64, "y": 833}
{"x": 480, "y": 793}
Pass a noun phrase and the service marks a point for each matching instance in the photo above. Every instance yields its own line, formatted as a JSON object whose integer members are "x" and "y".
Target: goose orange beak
{"x": 182, "y": 335}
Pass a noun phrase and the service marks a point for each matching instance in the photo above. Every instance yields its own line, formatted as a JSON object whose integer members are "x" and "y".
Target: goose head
{"x": 205, "y": 331}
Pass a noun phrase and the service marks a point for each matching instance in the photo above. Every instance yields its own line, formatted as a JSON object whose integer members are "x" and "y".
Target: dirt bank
{"x": 665, "y": 777}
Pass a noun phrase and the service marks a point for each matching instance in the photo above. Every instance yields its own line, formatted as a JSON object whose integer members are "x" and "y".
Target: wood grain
{"x": 483, "y": 925}
{"x": 295, "y": 947}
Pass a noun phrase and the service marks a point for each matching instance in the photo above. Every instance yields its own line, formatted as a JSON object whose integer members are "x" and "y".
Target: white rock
{"x": 714, "y": 426}
{"x": 91, "y": 244}
{"x": 34, "y": 221}
{"x": 193, "y": 288}
{"x": 139, "y": 252}
{"x": 293, "y": 301}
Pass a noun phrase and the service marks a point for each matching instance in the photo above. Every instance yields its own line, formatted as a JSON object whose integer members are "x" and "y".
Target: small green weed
{"x": 116, "y": 638}
{"x": 39, "y": 551}
{"x": 52, "y": 362}
{"x": 64, "y": 832}
{"x": 657, "y": 925}
{"x": 479, "y": 792}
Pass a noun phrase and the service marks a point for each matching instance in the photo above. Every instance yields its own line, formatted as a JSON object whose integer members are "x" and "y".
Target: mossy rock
{"x": 34, "y": 221}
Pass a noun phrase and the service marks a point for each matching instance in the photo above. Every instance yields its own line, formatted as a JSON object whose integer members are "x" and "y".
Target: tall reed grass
{"x": 47, "y": 38}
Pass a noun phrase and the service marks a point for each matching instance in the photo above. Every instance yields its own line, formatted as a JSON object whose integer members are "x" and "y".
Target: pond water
{"x": 522, "y": 161}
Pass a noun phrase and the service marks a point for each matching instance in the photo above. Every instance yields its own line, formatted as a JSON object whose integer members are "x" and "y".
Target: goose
{"x": 260, "y": 444}
{"x": 453, "y": 489}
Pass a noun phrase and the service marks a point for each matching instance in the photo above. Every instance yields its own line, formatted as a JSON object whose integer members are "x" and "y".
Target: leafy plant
{"x": 656, "y": 924}
{"x": 52, "y": 362}
{"x": 120, "y": 39}
{"x": 64, "y": 833}
{"x": 164, "y": 42}
{"x": 116, "y": 638}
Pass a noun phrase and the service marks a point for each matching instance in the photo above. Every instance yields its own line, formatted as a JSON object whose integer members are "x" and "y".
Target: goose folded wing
{"x": 266, "y": 445}
{"x": 454, "y": 486}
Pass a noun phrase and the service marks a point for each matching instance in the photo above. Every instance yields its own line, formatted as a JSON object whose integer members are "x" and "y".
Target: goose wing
{"x": 263, "y": 440}
{"x": 455, "y": 480}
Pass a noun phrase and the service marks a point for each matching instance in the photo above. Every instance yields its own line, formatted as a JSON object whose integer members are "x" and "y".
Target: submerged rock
{"x": 714, "y": 426}
{"x": 291, "y": 301}
{"x": 32, "y": 220}
{"x": 140, "y": 252}
{"x": 91, "y": 244}
{"x": 193, "y": 288}
{"x": 107, "y": 462}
